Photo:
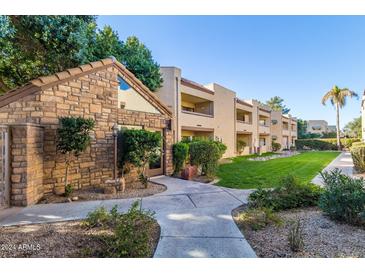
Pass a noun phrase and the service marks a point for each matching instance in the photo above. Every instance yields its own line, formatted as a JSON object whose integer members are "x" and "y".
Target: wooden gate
{"x": 4, "y": 167}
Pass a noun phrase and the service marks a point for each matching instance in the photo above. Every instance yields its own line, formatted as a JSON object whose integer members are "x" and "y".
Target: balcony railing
{"x": 244, "y": 122}
{"x": 197, "y": 113}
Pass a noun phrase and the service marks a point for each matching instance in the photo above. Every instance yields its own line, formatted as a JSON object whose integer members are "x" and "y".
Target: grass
{"x": 245, "y": 174}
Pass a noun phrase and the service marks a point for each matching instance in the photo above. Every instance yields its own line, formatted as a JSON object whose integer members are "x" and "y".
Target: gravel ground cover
{"x": 94, "y": 193}
{"x": 323, "y": 237}
{"x": 58, "y": 240}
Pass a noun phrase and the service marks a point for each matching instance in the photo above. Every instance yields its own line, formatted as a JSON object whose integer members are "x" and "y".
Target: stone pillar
{"x": 26, "y": 164}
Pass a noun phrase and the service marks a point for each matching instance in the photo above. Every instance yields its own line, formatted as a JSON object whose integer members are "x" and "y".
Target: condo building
{"x": 214, "y": 111}
{"x": 319, "y": 127}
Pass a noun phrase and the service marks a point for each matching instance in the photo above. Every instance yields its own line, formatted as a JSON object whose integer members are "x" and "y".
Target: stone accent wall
{"x": 26, "y": 164}
{"x": 92, "y": 95}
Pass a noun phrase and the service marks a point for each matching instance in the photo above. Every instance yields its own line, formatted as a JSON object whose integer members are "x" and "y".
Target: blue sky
{"x": 297, "y": 58}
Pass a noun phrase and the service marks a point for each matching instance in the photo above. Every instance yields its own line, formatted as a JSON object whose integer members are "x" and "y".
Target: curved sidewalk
{"x": 195, "y": 218}
{"x": 343, "y": 162}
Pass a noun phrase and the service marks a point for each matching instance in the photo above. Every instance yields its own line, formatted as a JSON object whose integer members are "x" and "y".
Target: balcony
{"x": 243, "y": 127}
{"x": 263, "y": 129}
{"x": 243, "y": 121}
{"x": 286, "y": 132}
{"x": 196, "y": 120}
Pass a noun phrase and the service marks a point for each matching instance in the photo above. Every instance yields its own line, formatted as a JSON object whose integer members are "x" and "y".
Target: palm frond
{"x": 328, "y": 96}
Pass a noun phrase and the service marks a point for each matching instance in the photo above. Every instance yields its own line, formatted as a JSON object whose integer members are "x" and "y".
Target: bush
{"x": 358, "y": 157}
{"x": 290, "y": 194}
{"x": 130, "y": 231}
{"x": 295, "y": 237}
{"x": 180, "y": 153}
{"x": 258, "y": 218}
{"x": 73, "y": 137}
{"x": 357, "y": 144}
{"x": 137, "y": 147}
{"x": 343, "y": 198}
{"x": 315, "y": 144}
{"x": 205, "y": 154}
{"x": 275, "y": 146}
{"x": 240, "y": 145}
{"x": 324, "y": 143}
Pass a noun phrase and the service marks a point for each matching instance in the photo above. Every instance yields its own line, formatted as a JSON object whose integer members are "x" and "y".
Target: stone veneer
{"x": 90, "y": 95}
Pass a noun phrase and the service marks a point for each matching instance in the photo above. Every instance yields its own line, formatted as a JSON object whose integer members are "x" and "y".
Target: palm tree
{"x": 338, "y": 96}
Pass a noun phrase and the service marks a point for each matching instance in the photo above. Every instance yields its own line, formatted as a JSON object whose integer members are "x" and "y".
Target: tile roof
{"x": 45, "y": 82}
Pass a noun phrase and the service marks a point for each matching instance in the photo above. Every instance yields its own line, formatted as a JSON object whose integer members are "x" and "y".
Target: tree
{"x": 33, "y": 46}
{"x": 337, "y": 97}
{"x": 138, "y": 59}
{"x": 302, "y": 128}
{"x": 138, "y": 147}
{"x": 73, "y": 137}
{"x": 353, "y": 128}
{"x": 276, "y": 103}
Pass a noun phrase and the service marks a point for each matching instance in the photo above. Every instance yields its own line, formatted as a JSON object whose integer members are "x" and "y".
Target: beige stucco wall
{"x": 285, "y": 137}
{"x": 223, "y": 124}
{"x": 133, "y": 101}
{"x": 169, "y": 94}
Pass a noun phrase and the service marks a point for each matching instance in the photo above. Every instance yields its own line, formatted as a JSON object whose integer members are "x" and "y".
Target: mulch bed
{"x": 132, "y": 190}
{"x": 58, "y": 240}
{"x": 322, "y": 237}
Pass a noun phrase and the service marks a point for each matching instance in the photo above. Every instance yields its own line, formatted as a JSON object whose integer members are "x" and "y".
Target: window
{"x": 187, "y": 108}
{"x": 262, "y": 122}
{"x": 123, "y": 85}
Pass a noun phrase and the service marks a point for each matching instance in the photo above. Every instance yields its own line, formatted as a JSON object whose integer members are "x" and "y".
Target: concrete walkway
{"x": 195, "y": 218}
{"x": 343, "y": 162}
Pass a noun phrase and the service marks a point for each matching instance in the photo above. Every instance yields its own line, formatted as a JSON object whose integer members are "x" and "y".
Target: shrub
{"x": 358, "y": 157}
{"x": 275, "y": 146}
{"x": 295, "y": 237}
{"x": 205, "y": 154}
{"x": 258, "y": 218}
{"x": 343, "y": 198}
{"x": 98, "y": 218}
{"x": 131, "y": 234}
{"x": 73, "y": 137}
{"x": 290, "y": 194}
{"x": 356, "y": 144}
{"x": 137, "y": 148}
{"x": 316, "y": 144}
{"x": 68, "y": 190}
{"x": 240, "y": 146}
{"x": 130, "y": 231}
{"x": 180, "y": 153}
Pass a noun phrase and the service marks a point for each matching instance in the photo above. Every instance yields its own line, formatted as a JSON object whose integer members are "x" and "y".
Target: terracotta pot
{"x": 189, "y": 172}
{"x": 59, "y": 190}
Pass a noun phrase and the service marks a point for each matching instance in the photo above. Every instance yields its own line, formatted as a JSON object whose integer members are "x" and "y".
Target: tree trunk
{"x": 338, "y": 126}
{"x": 67, "y": 167}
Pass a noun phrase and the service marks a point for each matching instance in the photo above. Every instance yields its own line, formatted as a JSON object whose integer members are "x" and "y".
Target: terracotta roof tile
{"x": 62, "y": 75}
{"x": 38, "y": 83}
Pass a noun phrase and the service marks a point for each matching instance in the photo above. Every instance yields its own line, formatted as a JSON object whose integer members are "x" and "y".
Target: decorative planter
{"x": 189, "y": 172}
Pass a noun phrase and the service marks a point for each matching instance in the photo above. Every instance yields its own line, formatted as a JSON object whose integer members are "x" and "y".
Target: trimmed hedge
{"x": 316, "y": 144}
{"x": 180, "y": 153}
{"x": 205, "y": 154}
{"x": 358, "y": 157}
{"x": 324, "y": 143}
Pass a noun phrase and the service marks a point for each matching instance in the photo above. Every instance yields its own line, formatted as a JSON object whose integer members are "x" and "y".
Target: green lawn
{"x": 242, "y": 173}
